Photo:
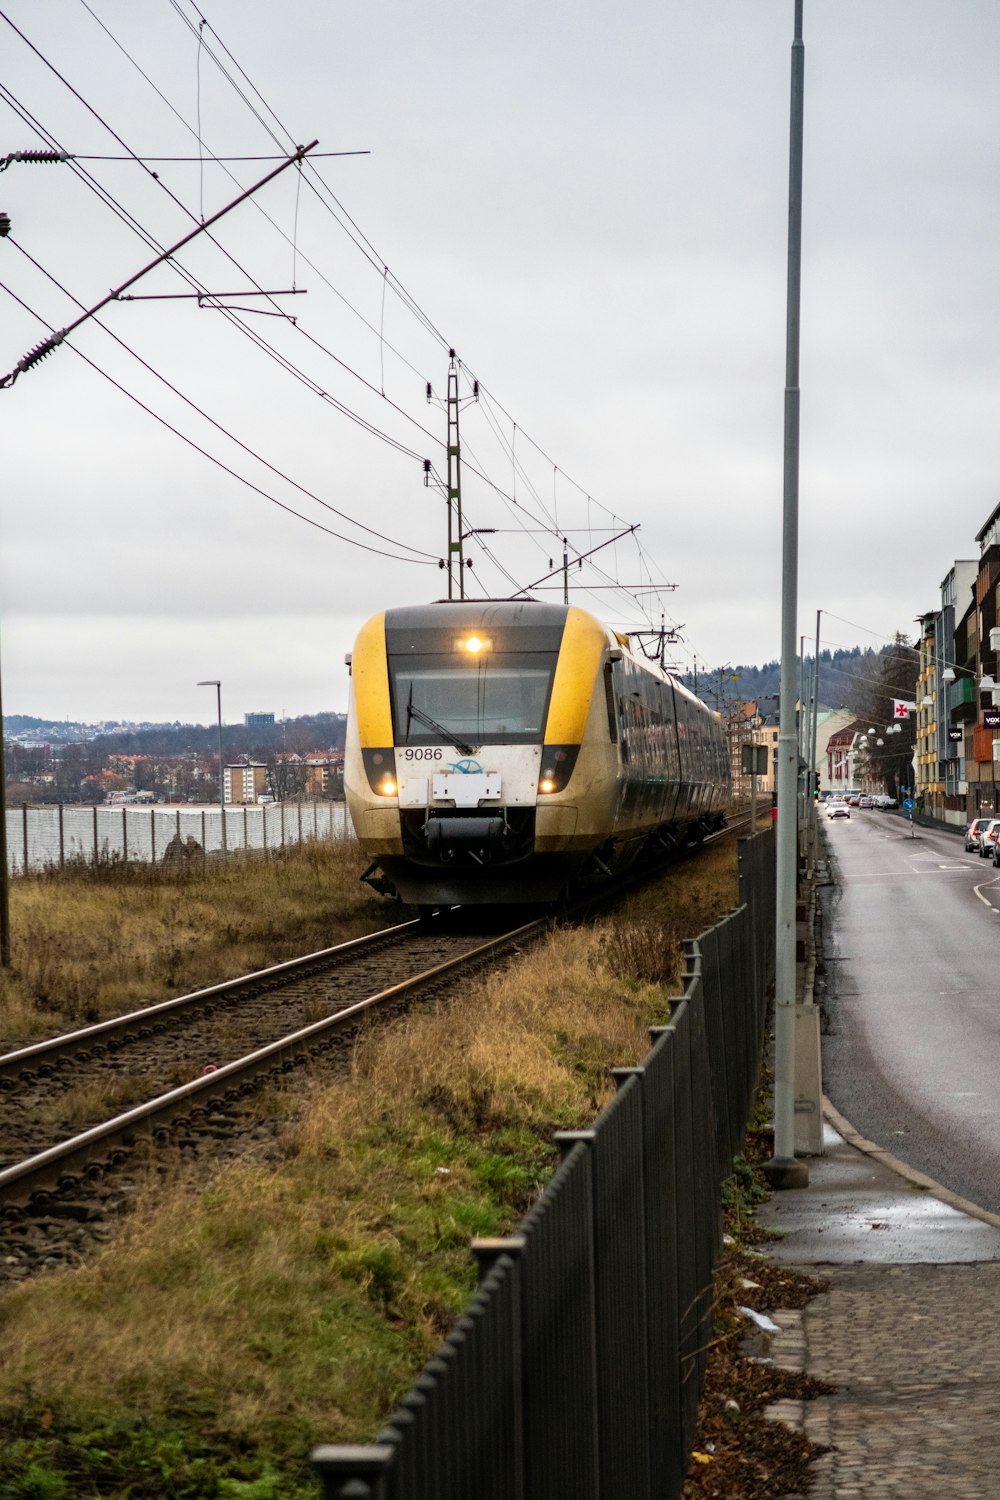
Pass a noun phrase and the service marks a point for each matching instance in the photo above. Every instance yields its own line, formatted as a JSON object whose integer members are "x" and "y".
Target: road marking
{"x": 902, "y": 874}
{"x": 986, "y": 886}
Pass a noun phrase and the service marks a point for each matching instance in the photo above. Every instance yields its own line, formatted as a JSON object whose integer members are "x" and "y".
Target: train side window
{"x": 609, "y": 695}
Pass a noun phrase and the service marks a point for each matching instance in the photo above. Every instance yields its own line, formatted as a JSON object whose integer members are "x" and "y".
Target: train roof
{"x": 534, "y": 626}
{"x": 460, "y": 614}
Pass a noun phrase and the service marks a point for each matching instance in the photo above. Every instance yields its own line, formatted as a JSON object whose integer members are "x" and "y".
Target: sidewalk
{"x": 908, "y": 1330}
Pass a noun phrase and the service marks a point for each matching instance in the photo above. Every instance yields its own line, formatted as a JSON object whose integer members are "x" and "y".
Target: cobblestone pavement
{"x": 915, "y": 1352}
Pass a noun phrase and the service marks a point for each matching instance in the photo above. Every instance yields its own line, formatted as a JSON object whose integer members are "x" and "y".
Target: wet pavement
{"x": 906, "y": 1332}
{"x": 860, "y": 1207}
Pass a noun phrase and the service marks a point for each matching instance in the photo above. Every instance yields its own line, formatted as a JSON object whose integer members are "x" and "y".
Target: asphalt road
{"x": 911, "y": 1045}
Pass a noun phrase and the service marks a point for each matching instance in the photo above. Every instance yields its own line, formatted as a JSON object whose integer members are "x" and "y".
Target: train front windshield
{"x": 496, "y": 698}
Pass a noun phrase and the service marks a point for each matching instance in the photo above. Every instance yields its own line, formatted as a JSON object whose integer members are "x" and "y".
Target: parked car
{"x": 988, "y": 839}
{"x": 883, "y": 800}
{"x": 837, "y": 810}
{"x": 973, "y": 833}
{"x": 865, "y": 801}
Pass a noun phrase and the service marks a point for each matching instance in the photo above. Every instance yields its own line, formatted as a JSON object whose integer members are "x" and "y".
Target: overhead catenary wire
{"x": 339, "y": 536}
{"x": 225, "y": 431}
{"x": 198, "y": 29}
{"x": 388, "y": 280}
{"x": 379, "y": 263}
{"x": 264, "y": 345}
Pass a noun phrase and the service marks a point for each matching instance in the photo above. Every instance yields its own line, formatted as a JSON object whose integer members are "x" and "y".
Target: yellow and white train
{"x": 504, "y": 751}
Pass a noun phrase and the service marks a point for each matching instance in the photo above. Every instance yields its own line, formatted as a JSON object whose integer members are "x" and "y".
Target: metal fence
{"x": 53, "y": 837}
{"x": 575, "y": 1373}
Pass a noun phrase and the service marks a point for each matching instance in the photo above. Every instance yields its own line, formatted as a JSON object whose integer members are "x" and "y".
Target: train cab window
{"x": 501, "y": 697}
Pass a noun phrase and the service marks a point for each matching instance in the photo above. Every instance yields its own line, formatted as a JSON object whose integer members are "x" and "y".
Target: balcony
{"x": 963, "y": 699}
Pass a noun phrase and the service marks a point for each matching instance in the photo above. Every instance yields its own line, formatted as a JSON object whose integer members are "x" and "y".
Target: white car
{"x": 974, "y": 832}
{"x": 988, "y": 838}
{"x": 837, "y": 810}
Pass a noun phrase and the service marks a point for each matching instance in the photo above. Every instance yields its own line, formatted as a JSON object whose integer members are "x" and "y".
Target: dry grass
{"x": 294, "y": 1301}
{"x": 85, "y": 947}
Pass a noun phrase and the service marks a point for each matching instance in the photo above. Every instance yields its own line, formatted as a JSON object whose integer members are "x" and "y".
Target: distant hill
{"x": 845, "y": 679}
{"x": 310, "y": 731}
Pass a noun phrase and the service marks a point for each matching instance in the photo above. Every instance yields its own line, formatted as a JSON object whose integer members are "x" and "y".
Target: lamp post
{"x": 216, "y": 683}
{"x": 783, "y": 1171}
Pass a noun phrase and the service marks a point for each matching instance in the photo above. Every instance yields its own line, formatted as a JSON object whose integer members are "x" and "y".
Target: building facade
{"x": 244, "y": 784}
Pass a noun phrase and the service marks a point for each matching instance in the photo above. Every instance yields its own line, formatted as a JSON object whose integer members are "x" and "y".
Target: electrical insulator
{"x": 39, "y": 353}
{"x": 32, "y": 157}
{"x": 4, "y": 225}
{"x": 428, "y": 390}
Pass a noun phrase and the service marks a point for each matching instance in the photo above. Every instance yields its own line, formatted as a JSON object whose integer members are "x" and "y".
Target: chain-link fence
{"x": 41, "y": 837}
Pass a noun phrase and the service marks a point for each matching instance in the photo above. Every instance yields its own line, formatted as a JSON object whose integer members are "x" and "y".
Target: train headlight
{"x": 557, "y": 767}
{"x": 474, "y": 645}
{"x": 380, "y": 768}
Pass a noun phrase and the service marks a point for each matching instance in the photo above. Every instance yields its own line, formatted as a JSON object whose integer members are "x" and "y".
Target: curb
{"x": 902, "y": 1169}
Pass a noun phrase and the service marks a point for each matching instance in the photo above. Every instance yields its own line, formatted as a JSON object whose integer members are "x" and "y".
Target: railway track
{"x": 61, "y": 1188}
{"x": 180, "y": 1077}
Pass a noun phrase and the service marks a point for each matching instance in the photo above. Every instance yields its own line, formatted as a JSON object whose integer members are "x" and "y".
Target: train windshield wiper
{"x": 425, "y": 719}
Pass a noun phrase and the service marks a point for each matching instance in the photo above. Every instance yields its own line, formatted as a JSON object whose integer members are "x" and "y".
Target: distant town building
{"x": 257, "y": 721}
{"x": 245, "y": 783}
{"x": 325, "y": 775}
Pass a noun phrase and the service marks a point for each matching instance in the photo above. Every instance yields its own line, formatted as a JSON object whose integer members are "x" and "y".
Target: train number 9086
{"x": 435, "y": 753}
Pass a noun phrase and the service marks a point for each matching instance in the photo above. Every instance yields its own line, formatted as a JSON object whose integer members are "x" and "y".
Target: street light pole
{"x": 217, "y": 684}
{"x": 783, "y": 1171}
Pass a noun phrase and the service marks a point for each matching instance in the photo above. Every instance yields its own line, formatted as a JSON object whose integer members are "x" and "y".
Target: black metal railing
{"x": 575, "y": 1373}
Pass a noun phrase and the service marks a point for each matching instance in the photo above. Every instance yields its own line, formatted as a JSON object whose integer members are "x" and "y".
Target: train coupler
{"x": 374, "y": 877}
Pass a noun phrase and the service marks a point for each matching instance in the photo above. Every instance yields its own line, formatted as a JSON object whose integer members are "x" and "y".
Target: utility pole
{"x": 455, "y": 544}
{"x": 453, "y": 483}
{"x": 216, "y": 683}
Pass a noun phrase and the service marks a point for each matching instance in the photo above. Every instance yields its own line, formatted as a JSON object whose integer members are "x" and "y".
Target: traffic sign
{"x": 908, "y": 804}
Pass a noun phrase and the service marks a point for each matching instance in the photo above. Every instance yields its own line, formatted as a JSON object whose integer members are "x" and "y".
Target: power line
{"x": 351, "y": 541}
{"x": 346, "y": 222}
{"x": 252, "y": 334}
{"x": 218, "y": 425}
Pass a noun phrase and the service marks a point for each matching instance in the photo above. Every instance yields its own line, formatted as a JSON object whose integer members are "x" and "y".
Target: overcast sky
{"x": 590, "y": 205}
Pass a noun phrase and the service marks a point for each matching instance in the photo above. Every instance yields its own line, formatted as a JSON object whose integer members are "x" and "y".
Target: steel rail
{"x": 114, "y": 1026}
{"x": 52, "y": 1048}
{"x": 87, "y": 1153}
